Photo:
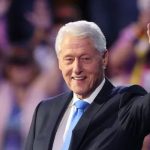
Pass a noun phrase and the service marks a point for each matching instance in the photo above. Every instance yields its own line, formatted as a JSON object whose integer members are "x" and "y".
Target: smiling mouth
{"x": 78, "y": 78}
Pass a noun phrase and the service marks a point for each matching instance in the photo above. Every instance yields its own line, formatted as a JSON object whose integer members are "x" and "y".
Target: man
{"x": 116, "y": 118}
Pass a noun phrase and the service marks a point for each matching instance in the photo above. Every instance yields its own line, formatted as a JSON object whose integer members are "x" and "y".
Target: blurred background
{"x": 28, "y": 65}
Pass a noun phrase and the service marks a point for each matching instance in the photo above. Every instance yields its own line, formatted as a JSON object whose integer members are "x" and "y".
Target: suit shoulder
{"x": 132, "y": 89}
{"x": 129, "y": 93}
{"x": 56, "y": 100}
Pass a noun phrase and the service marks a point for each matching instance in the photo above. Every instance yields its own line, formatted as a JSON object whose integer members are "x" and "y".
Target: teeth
{"x": 78, "y": 78}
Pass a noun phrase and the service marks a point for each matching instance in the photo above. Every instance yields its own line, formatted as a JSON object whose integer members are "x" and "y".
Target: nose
{"x": 77, "y": 66}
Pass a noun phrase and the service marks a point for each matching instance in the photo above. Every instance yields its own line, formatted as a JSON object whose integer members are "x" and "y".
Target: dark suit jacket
{"x": 118, "y": 119}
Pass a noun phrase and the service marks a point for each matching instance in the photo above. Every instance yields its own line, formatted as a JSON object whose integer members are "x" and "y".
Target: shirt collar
{"x": 91, "y": 98}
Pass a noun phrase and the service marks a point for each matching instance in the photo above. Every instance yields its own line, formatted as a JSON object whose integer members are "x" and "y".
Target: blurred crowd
{"x": 28, "y": 64}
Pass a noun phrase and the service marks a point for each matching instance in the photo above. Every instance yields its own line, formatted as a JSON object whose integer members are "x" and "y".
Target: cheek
{"x": 94, "y": 76}
{"x": 95, "y": 69}
{"x": 66, "y": 73}
{"x": 95, "y": 73}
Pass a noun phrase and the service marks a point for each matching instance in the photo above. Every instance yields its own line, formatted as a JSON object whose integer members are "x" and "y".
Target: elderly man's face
{"x": 81, "y": 64}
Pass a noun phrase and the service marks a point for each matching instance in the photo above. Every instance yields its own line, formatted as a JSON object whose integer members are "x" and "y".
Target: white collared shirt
{"x": 65, "y": 122}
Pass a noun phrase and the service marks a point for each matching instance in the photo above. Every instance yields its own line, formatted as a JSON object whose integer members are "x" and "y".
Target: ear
{"x": 59, "y": 62}
{"x": 105, "y": 59}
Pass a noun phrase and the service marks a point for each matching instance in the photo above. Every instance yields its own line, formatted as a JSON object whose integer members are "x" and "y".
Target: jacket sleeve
{"x": 31, "y": 135}
{"x": 134, "y": 111}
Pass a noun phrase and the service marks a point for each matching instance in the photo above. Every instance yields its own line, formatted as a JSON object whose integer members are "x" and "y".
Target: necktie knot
{"x": 80, "y": 104}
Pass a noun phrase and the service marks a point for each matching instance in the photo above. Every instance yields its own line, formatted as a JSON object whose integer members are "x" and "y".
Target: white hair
{"x": 82, "y": 29}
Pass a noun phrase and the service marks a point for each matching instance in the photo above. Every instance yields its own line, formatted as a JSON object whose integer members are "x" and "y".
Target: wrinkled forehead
{"x": 75, "y": 40}
{"x": 77, "y": 46}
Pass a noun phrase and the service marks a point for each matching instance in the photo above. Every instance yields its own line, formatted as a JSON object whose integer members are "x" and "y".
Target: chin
{"x": 81, "y": 93}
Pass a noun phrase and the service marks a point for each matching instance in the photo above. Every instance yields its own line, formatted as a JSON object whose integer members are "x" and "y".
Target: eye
{"x": 68, "y": 60}
{"x": 86, "y": 59}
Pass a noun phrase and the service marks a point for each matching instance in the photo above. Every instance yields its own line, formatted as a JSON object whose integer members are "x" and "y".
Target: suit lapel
{"x": 82, "y": 126}
{"x": 54, "y": 120}
{"x": 88, "y": 116}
